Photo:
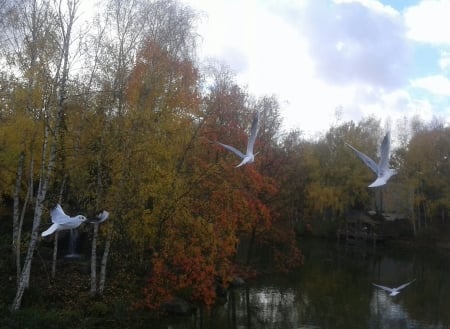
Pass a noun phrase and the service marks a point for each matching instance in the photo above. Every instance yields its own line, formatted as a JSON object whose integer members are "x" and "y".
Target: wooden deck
{"x": 352, "y": 236}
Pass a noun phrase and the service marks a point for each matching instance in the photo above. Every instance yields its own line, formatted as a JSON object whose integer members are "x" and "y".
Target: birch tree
{"x": 61, "y": 16}
{"x": 119, "y": 36}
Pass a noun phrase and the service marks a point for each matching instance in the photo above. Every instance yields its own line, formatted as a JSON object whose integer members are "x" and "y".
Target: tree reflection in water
{"x": 334, "y": 290}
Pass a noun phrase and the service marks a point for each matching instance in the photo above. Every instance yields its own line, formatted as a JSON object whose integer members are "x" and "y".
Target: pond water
{"x": 334, "y": 290}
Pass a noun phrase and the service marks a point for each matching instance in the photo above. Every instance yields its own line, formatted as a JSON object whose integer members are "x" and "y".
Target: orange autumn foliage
{"x": 217, "y": 205}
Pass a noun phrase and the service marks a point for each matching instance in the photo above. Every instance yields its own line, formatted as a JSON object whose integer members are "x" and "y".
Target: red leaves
{"x": 187, "y": 265}
{"x": 222, "y": 204}
{"x": 156, "y": 291}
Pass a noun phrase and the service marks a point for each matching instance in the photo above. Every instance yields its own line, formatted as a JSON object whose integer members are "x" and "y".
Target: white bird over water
{"x": 248, "y": 157}
{"x": 61, "y": 221}
{"x": 381, "y": 169}
{"x": 394, "y": 291}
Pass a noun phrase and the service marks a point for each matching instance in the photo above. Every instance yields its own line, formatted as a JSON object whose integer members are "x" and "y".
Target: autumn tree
{"x": 124, "y": 116}
{"x": 343, "y": 178}
{"x": 222, "y": 206}
{"x": 425, "y": 172}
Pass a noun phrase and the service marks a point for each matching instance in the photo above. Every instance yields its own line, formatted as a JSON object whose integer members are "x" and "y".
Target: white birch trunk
{"x": 24, "y": 278}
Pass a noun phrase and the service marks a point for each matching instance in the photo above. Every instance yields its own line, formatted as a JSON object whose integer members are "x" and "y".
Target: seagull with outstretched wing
{"x": 61, "y": 221}
{"x": 248, "y": 157}
{"x": 381, "y": 169}
{"x": 394, "y": 291}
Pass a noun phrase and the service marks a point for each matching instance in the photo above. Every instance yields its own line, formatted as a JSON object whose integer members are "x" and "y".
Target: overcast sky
{"x": 387, "y": 58}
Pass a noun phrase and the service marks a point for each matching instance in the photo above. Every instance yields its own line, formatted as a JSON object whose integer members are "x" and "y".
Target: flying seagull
{"x": 99, "y": 218}
{"x": 249, "y": 157}
{"x": 394, "y": 291}
{"x": 381, "y": 169}
{"x": 62, "y": 222}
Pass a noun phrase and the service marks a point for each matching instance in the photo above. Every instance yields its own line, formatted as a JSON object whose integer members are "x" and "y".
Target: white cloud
{"x": 373, "y": 5}
{"x": 236, "y": 58}
{"x": 397, "y": 104}
{"x": 444, "y": 60}
{"x": 428, "y": 22}
{"x": 435, "y": 84}
{"x": 320, "y": 55}
{"x": 356, "y": 42}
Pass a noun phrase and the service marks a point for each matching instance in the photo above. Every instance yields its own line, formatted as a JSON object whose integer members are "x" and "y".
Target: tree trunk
{"x": 413, "y": 218}
{"x": 94, "y": 261}
{"x": 56, "y": 236}
{"x": 55, "y": 254}
{"x": 24, "y": 278}
{"x": 250, "y": 246}
{"x": 98, "y": 288}
{"x": 16, "y": 205}
{"x": 17, "y": 227}
{"x": 101, "y": 286}
{"x": 22, "y": 217}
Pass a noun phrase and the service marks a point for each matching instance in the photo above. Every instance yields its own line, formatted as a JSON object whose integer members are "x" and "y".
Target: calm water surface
{"x": 334, "y": 290}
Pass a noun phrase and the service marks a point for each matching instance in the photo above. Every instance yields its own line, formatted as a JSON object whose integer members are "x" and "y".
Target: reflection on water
{"x": 385, "y": 311}
{"x": 334, "y": 290}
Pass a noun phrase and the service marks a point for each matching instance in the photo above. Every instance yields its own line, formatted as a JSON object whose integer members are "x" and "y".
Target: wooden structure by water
{"x": 360, "y": 228}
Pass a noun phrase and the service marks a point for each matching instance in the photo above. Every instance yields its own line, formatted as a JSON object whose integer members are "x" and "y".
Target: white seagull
{"x": 381, "y": 169}
{"x": 62, "y": 222}
{"x": 394, "y": 291}
{"x": 100, "y": 218}
{"x": 249, "y": 157}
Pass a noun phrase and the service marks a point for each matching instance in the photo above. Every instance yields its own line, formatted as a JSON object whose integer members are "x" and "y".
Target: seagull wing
{"x": 58, "y": 215}
{"x": 232, "y": 149}
{"x": 405, "y": 285}
{"x": 383, "y": 287}
{"x": 367, "y": 161}
{"x": 253, "y": 133}
{"x": 380, "y": 181}
{"x": 103, "y": 216}
{"x": 50, "y": 230}
{"x": 384, "y": 151}
{"x": 100, "y": 218}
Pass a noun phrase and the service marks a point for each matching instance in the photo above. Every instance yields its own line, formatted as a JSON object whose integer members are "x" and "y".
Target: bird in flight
{"x": 394, "y": 291}
{"x": 381, "y": 169}
{"x": 99, "y": 218}
{"x": 248, "y": 157}
{"x": 61, "y": 221}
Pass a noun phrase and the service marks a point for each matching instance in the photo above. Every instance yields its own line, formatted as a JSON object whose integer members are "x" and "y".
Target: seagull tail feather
{"x": 50, "y": 230}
